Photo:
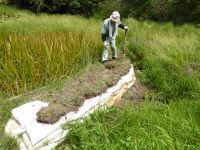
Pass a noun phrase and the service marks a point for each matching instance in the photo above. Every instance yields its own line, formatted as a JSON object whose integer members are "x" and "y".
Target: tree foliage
{"x": 162, "y": 10}
{"x": 158, "y": 10}
{"x": 187, "y": 10}
{"x": 82, "y": 7}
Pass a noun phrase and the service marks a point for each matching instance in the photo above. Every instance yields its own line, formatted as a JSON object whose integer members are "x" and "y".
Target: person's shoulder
{"x": 106, "y": 20}
{"x": 119, "y": 22}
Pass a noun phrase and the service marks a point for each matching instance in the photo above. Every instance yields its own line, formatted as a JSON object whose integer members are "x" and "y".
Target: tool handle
{"x": 126, "y": 32}
{"x": 125, "y": 42}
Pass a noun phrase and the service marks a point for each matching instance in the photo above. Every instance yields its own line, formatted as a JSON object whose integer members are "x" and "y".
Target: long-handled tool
{"x": 125, "y": 43}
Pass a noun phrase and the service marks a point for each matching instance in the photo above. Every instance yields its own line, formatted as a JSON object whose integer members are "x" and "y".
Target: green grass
{"x": 167, "y": 57}
{"x": 153, "y": 125}
{"x": 35, "y": 49}
{"x": 7, "y": 143}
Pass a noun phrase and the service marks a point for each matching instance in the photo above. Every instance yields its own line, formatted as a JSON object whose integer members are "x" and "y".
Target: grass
{"x": 165, "y": 56}
{"x": 28, "y": 60}
{"x": 36, "y": 50}
{"x": 153, "y": 125}
{"x": 7, "y": 143}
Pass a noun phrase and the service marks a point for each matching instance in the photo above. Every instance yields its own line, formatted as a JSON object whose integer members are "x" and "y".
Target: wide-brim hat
{"x": 115, "y": 16}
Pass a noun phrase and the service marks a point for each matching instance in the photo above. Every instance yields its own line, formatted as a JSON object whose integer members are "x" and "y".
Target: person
{"x": 109, "y": 33}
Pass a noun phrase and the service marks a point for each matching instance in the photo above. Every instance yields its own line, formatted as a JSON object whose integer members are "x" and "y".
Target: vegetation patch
{"x": 4, "y": 17}
{"x": 153, "y": 125}
{"x": 36, "y": 50}
{"x": 5, "y": 114}
{"x": 7, "y": 13}
{"x": 166, "y": 61}
{"x": 92, "y": 82}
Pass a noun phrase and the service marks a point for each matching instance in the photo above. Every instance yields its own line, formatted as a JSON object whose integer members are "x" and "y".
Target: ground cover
{"x": 92, "y": 82}
{"x": 152, "y": 125}
{"x": 167, "y": 58}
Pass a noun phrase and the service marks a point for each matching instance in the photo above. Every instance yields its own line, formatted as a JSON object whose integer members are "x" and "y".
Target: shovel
{"x": 124, "y": 51}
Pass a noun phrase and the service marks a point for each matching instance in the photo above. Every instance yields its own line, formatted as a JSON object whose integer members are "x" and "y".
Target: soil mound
{"x": 90, "y": 83}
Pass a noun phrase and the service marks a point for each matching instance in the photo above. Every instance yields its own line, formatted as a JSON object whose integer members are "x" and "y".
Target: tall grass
{"x": 168, "y": 57}
{"x": 28, "y": 60}
{"x": 34, "y": 49}
{"x": 153, "y": 125}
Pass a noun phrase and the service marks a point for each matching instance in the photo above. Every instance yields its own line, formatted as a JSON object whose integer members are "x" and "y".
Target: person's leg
{"x": 105, "y": 53}
{"x": 114, "y": 49}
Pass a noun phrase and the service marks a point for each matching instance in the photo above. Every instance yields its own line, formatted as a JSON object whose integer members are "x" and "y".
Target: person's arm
{"x": 122, "y": 26}
{"x": 103, "y": 37}
{"x": 103, "y": 32}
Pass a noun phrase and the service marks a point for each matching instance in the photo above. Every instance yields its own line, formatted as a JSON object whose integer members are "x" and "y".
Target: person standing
{"x": 109, "y": 33}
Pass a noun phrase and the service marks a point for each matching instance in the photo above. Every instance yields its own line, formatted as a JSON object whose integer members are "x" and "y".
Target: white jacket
{"x": 109, "y": 29}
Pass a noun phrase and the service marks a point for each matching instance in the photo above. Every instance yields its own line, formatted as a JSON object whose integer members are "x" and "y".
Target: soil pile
{"x": 90, "y": 83}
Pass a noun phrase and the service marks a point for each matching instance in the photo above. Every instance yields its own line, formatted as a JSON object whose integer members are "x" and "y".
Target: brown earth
{"x": 135, "y": 95}
{"x": 92, "y": 82}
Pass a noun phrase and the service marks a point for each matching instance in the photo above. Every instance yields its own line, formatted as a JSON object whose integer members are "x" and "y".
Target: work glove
{"x": 105, "y": 43}
{"x": 126, "y": 28}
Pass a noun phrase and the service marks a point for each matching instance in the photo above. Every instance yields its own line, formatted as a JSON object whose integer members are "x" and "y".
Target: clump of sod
{"x": 92, "y": 82}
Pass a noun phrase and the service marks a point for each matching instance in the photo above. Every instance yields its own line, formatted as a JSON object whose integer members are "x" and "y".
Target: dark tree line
{"x": 158, "y": 10}
{"x": 82, "y": 7}
{"x": 163, "y": 10}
